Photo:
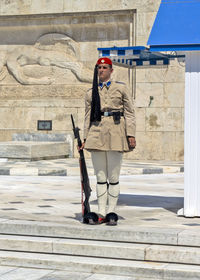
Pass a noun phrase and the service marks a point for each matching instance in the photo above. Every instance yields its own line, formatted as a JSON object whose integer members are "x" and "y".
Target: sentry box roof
{"x": 136, "y": 56}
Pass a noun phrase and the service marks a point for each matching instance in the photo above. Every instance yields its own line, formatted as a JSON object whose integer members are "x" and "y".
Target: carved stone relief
{"x": 51, "y": 50}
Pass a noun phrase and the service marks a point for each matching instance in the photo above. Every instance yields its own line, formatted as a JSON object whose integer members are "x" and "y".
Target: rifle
{"x": 85, "y": 184}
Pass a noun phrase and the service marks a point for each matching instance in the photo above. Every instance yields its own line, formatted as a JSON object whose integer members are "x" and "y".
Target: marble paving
{"x": 145, "y": 201}
{"x": 70, "y": 167}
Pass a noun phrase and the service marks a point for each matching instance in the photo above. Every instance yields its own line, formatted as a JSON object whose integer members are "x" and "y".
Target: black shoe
{"x": 111, "y": 219}
{"x": 91, "y": 218}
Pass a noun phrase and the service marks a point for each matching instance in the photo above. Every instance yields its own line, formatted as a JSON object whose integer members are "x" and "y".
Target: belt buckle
{"x": 106, "y": 114}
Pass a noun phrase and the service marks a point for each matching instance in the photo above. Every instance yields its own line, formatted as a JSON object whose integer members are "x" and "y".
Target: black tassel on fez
{"x": 95, "y": 106}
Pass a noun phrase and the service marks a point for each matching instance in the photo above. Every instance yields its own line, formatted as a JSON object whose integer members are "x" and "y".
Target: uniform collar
{"x": 107, "y": 84}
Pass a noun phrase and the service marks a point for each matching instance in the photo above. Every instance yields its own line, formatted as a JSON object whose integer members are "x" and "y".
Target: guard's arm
{"x": 129, "y": 114}
{"x": 88, "y": 100}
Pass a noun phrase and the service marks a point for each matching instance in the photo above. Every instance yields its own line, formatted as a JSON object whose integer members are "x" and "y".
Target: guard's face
{"x": 104, "y": 72}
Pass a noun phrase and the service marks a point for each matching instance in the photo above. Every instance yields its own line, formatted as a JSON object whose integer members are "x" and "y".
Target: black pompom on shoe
{"x": 91, "y": 218}
{"x": 111, "y": 219}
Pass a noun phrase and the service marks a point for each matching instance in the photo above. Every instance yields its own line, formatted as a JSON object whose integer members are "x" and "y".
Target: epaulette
{"x": 120, "y": 82}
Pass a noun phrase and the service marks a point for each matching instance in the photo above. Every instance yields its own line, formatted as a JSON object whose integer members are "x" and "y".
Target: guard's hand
{"x": 82, "y": 147}
{"x": 131, "y": 142}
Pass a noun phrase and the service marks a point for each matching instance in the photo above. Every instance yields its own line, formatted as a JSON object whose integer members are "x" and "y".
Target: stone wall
{"x": 47, "y": 53}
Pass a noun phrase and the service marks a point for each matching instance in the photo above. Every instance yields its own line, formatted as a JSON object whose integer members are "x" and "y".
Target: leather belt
{"x": 108, "y": 114}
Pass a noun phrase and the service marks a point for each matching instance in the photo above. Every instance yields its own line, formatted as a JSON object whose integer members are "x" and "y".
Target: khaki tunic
{"x": 106, "y": 135}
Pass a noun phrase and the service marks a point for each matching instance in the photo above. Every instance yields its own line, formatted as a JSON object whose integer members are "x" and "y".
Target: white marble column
{"x": 192, "y": 136}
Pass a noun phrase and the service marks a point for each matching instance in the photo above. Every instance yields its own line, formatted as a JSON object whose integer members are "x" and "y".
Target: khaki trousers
{"x": 107, "y": 166}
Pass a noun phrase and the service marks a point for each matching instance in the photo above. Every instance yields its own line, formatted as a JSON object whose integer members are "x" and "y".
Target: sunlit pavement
{"x": 145, "y": 201}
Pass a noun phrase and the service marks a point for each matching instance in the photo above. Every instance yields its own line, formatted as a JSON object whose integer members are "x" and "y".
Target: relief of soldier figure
{"x": 53, "y": 50}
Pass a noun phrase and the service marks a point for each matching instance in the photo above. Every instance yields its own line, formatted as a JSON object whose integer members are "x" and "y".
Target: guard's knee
{"x": 113, "y": 189}
{"x": 101, "y": 188}
{"x": 112, "y": 184}
{"x": 102, "y": 183}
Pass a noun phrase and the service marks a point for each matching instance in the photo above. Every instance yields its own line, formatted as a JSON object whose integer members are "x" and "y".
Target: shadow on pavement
{"x": 167, "y": 202}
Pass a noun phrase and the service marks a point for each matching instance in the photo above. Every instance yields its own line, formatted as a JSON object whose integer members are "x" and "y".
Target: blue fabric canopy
{"x": 177, "y": 26}
{"x": 136, "y": 56}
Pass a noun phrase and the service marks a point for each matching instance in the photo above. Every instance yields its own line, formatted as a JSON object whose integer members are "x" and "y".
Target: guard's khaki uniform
{"x": 106, "y": 135}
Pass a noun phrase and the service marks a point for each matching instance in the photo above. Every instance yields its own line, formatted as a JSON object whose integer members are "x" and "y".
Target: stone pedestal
{"x": 28, "y": 150}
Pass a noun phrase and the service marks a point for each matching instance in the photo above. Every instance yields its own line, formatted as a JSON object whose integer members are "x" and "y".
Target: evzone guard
{"x": 109, "y": 131}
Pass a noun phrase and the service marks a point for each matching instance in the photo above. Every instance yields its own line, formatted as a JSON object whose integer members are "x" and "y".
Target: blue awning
{"x": 136, "y": 56}
{"x": 177, "y": 26}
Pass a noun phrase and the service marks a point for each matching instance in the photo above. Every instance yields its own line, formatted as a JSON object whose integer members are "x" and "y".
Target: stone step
{"x": 137, "y": 269}
{"x": 147, "y": 235}
{"x": 75, "y": 247}
{"x": 103, "y": 249}
{"x": 30, "y": 150}
{"x": 132, "y": 251}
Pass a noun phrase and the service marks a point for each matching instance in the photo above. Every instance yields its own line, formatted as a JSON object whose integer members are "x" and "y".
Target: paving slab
{"x": 6, "y": 269}
{"x": 70, "y": 167}
{"x": 23, "y": 273}
{"x": 66, "y": 275}
{"x": 26, "y": 244}
{"x": 188, "y": 237}
{"x": 178, "y": 254}
{"x": 180, "y": 272}
{"x": 15, "y": 273}
{"x": 110, "y": 277}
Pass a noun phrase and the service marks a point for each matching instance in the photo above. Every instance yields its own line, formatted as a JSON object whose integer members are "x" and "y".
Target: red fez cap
{"x": 104, "y": 60}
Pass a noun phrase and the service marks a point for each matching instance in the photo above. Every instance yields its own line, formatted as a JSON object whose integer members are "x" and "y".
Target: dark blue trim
{"x": 153, "y": 62}
{"x": 123, "y": 48}
{"x": 137, "y": 51}
{"x": 105, "y": 53}
{"x": 162, "y": 48}
{"x": 165, "y": 61}
{"x": 141, "y": 54}
{"x": 139, "y": 62}
{"x": 121, "y": 52}
{"x": 179, "y": 1}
